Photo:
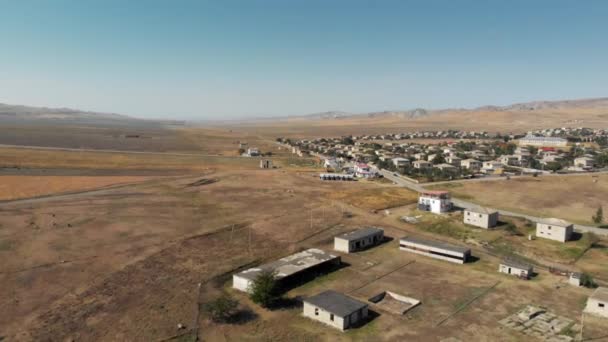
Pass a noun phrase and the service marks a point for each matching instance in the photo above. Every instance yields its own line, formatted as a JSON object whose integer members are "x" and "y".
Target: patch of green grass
{"x": 446, "y": 228}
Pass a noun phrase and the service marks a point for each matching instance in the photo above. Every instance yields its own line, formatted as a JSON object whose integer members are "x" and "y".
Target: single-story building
{"x": 575, "y": 279}
{"x": 358, "y": 239}
{"x": 516, "y": 268}
{"x": 435, "y": 201}
{"x": 335, "y": 309}
{"x": 253, "y": 152}
{"x": 597, "y": 303}
{"x": 584, "y": 162}
{"x": 435, "y": 249}
{"x": 336, "y": 176}
{"x": 481, "y": 217}
{"x": 554, "y": 229}
{"x": 309, "y": 261}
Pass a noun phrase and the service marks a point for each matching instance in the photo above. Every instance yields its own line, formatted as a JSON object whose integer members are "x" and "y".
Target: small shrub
{"x": 221, "y": 309}
{"x": 588, "y": 281}
{"x": 264, "y": 289}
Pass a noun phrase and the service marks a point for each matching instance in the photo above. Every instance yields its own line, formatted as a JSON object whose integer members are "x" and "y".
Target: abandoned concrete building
{"x": 554, "y": 229}
{"x": 435, "y": 201}
{"x": 597, "y": 303}
{"x": 481, "y": 217}
{"x": 435, "y": 249}
{"x": 265, "y": 164}
{"x": 299, "y": 265}
{"x": 358, "y": 239}
{"x": 516, "y": 268}
{"x": 335, "y": 309}
{"x": 336, "y": 176}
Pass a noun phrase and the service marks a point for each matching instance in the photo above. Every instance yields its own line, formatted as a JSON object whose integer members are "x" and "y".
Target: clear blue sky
{"x": 229, "y": 59}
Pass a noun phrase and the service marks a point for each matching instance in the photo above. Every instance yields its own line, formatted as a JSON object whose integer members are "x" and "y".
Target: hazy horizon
{"x": 248, "y": 59}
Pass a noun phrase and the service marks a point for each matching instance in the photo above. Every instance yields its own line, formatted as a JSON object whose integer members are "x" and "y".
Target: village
{"x": 473, "y": 155}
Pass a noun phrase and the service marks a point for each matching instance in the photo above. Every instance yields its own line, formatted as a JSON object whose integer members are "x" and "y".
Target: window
{"x": 316, "y": 311}
{"x": 331, "y": 317}
{"x": 601, "y": 305}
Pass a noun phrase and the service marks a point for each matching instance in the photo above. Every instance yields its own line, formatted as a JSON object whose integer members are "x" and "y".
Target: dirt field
{"x": 376, "y": 198}
{"x": 14, "y": 187}
{"x": 574, "y": 198}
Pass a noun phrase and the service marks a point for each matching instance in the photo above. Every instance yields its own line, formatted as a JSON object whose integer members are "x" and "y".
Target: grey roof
{"x": 336, "y": 303}
{"x": 436, "y": 244}
{"x": 601, "y": 293}
{"x": 360, "y": 233}
{"x": 555, "y": 222}
{"x": 481, "y": 210}
{"x": 516, "y": 264}
{"x": 292, "y": 264}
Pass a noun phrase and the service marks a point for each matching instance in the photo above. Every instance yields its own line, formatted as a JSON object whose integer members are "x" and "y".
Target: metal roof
{"x": 360, "y": 233}
{"x": 336, "y": 303}
{"x": 289, "y": 265}
{"x": 436, "y": 244}
{"x": 516, "y": 264}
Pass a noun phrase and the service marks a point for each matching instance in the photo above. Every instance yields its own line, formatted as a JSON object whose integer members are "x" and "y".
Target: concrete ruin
{"x": 394, "y": 303}
{"x": 537, "y": 322}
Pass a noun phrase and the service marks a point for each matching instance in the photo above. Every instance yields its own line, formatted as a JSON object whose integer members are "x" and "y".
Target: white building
{"x": 253, "y": 152}
{"x": 435, "y": 249}
{"x": 554, "y": 229}
{"x": 363, "y": 170}
{"x": 358, "y": 239}
{"x": 400, "y": 162}
{"x": 597, "y": 303}
{"x": 453, "y": 160}
{"x": 531, "y": 140}
{"x": 265, "y": 164}
{"x": 471, "y": 164}
{"x": 481, "y": 217}
{"x": 435, "y": 201}
{"x": 335, "y": 309}
{"x": 311, "y": 260}
{"x": 516, "y": 268}
{"x": 584, "y": 162}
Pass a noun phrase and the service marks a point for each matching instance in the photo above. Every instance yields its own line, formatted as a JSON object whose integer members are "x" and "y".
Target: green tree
{"x": 588, "y": 281}
{"x": 439, "y": 159}
{"x": 599, "y": 215}
{"x": 221, "y": 309}
{"x": 264, "y": 290}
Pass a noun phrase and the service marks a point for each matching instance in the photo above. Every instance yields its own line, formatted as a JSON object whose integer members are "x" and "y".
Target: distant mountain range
{"x": 18, "y": 114}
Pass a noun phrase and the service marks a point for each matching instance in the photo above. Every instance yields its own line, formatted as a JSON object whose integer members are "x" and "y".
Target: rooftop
{"x": 481, "y": 210}
{"x": 516, "y": 264}
{"x": 292, "y": 264}
{"x": 436, "y": 244}
{"x": 360, "y": 233}
{"x": 555, "y": 222}
{"x": 336, "y": 303}
{"x": 435, "y": 193}
{"x": 601, "y": 293}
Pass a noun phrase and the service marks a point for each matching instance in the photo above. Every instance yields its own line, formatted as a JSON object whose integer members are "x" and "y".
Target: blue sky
{"x": 234, "y": 59}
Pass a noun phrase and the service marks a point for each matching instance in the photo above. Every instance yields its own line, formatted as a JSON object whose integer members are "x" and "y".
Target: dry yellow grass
{"x": 376, "y": 198}
{"x": 574, "y": 198}
{"x": 15, "y": 187}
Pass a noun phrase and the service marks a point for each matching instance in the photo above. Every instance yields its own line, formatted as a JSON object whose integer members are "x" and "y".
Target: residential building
{"x": 481, "y": 217}
{"x": 437, "y": 202}
{"x": 531, "y": 140}
{"x": 265, "y": 164}
{"x": 456, "y": 161}
{"x": 509, "y": 160}
{"x": 400, "y": 162}
{"x": 435, "y": 249}
{"x": 358, "y": 239}
{"x": 422, "y": 165}
{"x": 516, "y": 268}
{"x": 554, "y": 229}
{"x": 335, "y": 309}
{"x": 597, "y": 303}
{"x": 253, "y": 152}
{"x": 584, "y": 162}
{"x": 309, "y": 261}
{"x": 471, "y": 164}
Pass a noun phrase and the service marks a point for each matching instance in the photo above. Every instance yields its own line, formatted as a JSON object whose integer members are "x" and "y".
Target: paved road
{"x": 465, "y": 204}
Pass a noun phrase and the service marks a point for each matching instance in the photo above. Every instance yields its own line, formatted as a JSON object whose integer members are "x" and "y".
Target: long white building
{"x": 435, "y": 249}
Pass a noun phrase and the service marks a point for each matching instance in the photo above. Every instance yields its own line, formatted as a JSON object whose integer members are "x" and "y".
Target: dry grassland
{"x": 376, "y": 198}
{"x": 574, "y": 198}
{"x": 14, "y": 187}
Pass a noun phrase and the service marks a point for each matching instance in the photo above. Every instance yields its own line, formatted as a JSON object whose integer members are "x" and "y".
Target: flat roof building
{"x": 310, "y": 260}
{"x": 554, "y": 229}
{"x": 597, "y": 303}
{"x": 435, "y": 249}
{"x": 335, "y": 309}
{"x": 481, "y": 217}
{"x": 358, "y": 239}
{"x": 435, "y": 201}
{"x": 516, "y": 268}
